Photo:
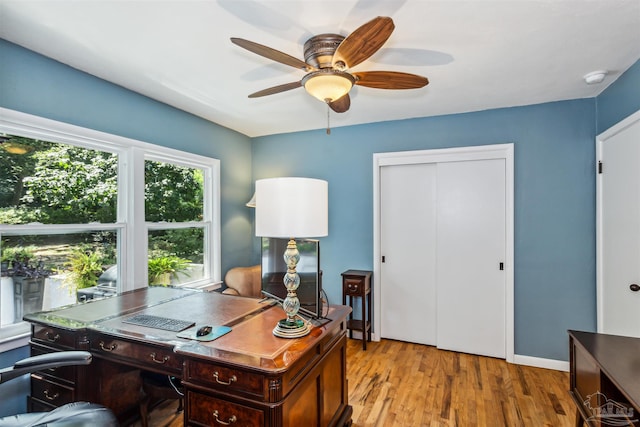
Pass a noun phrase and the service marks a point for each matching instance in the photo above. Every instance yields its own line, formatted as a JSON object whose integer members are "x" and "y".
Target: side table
{"x": 357, "y": 284}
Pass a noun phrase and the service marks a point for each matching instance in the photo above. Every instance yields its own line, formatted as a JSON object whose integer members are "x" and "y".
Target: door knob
{"x": 634, "y": 287}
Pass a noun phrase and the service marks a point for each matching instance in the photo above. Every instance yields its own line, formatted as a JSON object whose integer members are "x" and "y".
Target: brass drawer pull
{"x": 110, "y": 348}
{"x": 162, "y": 361}
{"x": 232, "y": 419}
{"x": 231, "y": 380}
{"x": 51, "y": 337}
{"x": 54, "y": 397}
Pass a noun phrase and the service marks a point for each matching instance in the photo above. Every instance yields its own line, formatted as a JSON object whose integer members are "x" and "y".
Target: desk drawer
{"x": 54, "y": 336}
{"x": 49, "y": 392}
{"x": 34, "y": 405}
{"x": 66, "y": 374}
{"x": 226, "y": 379}
{"x": 146, "y": 356}
{"x": 210, "y": 411}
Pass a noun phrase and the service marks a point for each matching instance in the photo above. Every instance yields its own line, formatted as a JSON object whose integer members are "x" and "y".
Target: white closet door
{"x": 471, "y": 245}
{"x": 407, "y": 241}
{"x": 620, "y": 233}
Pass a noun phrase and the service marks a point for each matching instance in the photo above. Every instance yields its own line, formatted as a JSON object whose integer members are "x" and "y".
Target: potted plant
{"x": 28, "y": 276}
{"x": 5, "y": 262}
{"x": 162, "y": 269}
{"x": 20, "y": 256}
{"x": 84, "y": 268}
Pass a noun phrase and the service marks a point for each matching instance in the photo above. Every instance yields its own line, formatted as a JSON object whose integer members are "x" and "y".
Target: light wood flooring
{"x": 394, "y": 383}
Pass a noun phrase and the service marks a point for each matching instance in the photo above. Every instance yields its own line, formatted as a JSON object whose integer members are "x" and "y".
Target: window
{"x": 123, "y": 212}
{"x": 174, "y": 206}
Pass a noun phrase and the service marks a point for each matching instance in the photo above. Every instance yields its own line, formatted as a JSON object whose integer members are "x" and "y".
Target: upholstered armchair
{"x": 243, "y": 281}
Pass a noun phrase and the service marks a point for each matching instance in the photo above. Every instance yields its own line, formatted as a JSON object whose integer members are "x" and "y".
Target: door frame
{"x": 458, "y": 154}
{"x": 631, "y": 120}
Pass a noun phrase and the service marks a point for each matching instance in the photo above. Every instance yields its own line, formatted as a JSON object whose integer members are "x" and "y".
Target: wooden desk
{"x": 605, "y": 379}
{"x": 248, "y": 375}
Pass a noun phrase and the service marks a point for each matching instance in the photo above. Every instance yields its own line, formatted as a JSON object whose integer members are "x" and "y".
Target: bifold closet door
{"x": 471, "y": 238}
{"x": 407, "y": 236}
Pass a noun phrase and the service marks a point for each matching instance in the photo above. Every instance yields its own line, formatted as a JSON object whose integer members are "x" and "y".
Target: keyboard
{"x": 158, "y": 322}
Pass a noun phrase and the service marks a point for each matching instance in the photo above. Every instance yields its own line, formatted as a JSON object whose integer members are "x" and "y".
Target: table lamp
{"x": 289, "y": 208}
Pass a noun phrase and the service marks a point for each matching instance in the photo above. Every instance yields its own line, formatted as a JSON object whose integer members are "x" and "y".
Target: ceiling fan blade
{"x": 363, "y": 42}
{"x": 276, "y": 89}
{"x": 390, "y": 80}
{"x": 272, "y": 54}
{"x": 341, "y": 105}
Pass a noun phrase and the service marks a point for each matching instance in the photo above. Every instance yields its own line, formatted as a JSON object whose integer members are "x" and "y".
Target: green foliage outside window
{"x": 172, "y": 193}
{"x": 55, "y": 183}
{"x": 63, "y": 184}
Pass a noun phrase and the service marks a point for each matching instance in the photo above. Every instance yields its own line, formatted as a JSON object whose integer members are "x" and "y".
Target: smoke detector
{"x": 595, "y": 77}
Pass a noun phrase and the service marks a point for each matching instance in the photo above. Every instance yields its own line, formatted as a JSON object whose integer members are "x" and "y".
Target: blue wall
{"x": 554, "y": 202}
{"x": 620, "y": 100}
{"x": 13, "y": 394}
{"x": 37, "y": 85}
{"x": 554, "y": 161}
{"x": 554, "y": 197}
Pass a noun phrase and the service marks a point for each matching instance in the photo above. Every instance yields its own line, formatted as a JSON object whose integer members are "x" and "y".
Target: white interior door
{"x": 470, "y": 257}
{"x": 408, "y": 220}
{"x": 619, "y": 230}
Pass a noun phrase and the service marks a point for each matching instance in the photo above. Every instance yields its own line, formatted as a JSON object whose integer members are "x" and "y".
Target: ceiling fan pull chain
{"x": 328, "y": 122}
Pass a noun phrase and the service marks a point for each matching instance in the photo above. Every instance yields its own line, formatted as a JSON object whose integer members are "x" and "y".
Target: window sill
{"x": 14, "y": 336}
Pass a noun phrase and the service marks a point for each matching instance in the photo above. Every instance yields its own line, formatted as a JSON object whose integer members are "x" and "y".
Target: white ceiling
{"x": 477, "y": 54}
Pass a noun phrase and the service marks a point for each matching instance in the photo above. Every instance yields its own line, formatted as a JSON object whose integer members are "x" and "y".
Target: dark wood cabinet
{"x": 605, "y": 379}
{"x": 357, "y": 284}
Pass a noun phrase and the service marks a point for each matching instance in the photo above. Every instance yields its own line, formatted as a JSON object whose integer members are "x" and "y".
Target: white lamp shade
{"x": 292, "y": 207}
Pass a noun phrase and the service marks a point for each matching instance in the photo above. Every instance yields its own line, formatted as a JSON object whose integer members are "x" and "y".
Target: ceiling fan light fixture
{"x": 328, "y": 85}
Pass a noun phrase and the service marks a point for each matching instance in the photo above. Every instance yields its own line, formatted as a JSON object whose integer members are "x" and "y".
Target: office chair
{"x": 77, "y": 414}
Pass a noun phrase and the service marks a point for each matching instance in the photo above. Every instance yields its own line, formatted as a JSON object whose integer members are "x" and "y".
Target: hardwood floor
{"x": 164, "y": 415}
{"x": 402, "y": 384}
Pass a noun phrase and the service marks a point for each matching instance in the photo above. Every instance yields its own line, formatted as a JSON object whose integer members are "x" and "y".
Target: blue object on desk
{"x": 216, "y": 332}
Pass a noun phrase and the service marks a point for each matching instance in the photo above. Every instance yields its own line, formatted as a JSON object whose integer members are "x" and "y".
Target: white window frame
{"x": 130, "y": 221}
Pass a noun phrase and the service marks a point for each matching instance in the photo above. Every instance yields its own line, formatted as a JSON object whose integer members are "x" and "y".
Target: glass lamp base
{"x": 292, "y": 329}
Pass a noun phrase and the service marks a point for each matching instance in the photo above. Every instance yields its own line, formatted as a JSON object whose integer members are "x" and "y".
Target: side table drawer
{"x": 54, "y": 336}
{"x": 210, "y": 411}
{"x": 138, "y": 354}
{"x": 225, "y": 379}
{"x": 353, "y": 287}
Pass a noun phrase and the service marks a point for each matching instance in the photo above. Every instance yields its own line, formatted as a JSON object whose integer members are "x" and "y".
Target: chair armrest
{"x": 45, "y": 361}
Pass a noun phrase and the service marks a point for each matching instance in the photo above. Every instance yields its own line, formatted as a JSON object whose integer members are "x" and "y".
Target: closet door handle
{"x": 634, "y": 287}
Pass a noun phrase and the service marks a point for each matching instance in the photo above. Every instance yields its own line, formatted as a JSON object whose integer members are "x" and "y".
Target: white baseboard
{"x": 538, "y": 362}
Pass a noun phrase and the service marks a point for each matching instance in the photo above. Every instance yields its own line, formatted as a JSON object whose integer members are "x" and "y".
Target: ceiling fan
{"x": 328, "y": 59}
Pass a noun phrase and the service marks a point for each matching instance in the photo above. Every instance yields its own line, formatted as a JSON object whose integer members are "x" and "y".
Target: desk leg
{"x": 579, "y": 420}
